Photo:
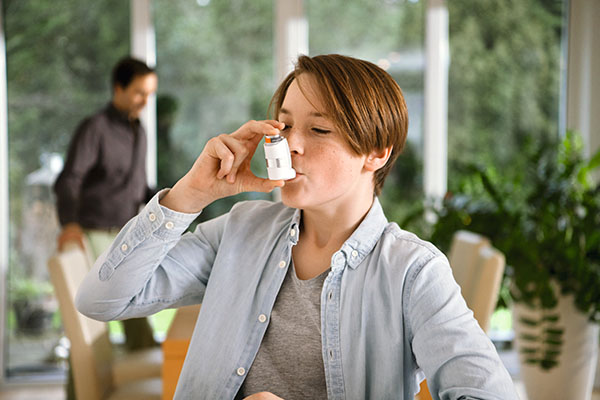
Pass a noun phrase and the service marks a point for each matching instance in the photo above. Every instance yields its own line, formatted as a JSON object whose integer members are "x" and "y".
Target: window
{"x": 504, "y": 81}
{"x": 215, "y": 62}
{"x": 215, "y": 67}
{"x": 57, "y": 56}
{"x": 504, "y": 92}
{"x": 390, "y": 34}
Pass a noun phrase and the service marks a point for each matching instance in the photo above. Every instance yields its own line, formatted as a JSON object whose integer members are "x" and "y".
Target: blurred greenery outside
{"x": 215, "y": 64}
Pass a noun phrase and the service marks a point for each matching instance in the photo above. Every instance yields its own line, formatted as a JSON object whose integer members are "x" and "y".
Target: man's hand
{"x": 223, "y": 169}
{"x": 71, "y": 233}
{"x": 263, "y": 396}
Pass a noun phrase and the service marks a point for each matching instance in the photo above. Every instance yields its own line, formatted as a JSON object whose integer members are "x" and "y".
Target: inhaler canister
{"x": 279, "y": 159}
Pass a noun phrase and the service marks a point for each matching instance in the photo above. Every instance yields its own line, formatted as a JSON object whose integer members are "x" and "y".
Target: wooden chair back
{"x": 91, "y": 351}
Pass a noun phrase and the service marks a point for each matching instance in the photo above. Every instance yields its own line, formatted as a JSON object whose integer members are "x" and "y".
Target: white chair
{"x": 99, "y": 374}
{"x": 478, "y": 269}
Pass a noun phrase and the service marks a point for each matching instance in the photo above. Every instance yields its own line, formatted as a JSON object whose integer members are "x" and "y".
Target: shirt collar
{"x": 365, "y": 237}
{"x": 359, "y": 244}
{"x": 115, "y": 113}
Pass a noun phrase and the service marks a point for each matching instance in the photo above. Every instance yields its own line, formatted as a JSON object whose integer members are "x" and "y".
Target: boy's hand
{"x": 223, "y": 169}
{"x": 263, "y": 396}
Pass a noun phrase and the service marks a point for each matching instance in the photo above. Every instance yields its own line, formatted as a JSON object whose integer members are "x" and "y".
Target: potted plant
{"x": 32, "y": 303}
{"x": 546, "y": 220}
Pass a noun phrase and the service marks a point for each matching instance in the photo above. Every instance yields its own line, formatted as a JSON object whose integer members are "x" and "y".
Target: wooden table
{"x": 424, "y": 394}
{"x": 175, "y": 347}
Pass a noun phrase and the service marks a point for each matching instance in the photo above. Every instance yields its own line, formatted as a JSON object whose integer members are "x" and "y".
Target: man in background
{"x": 103, "y": 182}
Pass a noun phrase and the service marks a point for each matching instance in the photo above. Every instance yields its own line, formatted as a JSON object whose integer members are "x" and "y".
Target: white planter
{"x": 573, "y": 378}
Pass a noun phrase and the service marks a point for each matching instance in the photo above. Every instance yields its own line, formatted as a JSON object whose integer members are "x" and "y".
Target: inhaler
{"x": 279, "y": 159}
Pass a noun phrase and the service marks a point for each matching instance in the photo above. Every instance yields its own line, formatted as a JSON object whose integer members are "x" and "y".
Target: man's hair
{"x": 361, "y": 99}
{"x": 127, "y": 69}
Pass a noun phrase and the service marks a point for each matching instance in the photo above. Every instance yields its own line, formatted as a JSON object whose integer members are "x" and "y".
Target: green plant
{"x": 28, "y": 289}
{"x": 545, "y": 217}
{"x": 29, "y": 300}
{"x": 22, "y": 286}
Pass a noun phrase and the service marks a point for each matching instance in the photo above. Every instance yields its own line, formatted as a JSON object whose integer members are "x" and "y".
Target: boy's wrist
{"x": 185, "y": 200}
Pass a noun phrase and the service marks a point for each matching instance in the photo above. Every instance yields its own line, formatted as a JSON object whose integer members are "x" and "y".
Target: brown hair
{"x": 362, "y": 100}
{"x": 127, "y": 69}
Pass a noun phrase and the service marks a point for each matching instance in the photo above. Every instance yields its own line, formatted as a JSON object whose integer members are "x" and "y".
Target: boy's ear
{"x": 377, "y": 159}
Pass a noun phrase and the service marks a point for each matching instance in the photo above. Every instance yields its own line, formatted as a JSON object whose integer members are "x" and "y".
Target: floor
{"x": 41, "y": 392}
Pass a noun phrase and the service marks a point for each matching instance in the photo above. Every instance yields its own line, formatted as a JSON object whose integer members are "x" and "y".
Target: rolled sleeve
{"x": 155, "y": 221}
{"x": 134, "y": 276}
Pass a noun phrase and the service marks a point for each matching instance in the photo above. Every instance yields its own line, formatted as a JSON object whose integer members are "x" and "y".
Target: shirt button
{"x": 330, "y": 295}
{"x": 169, "y": 225}
{"x": 293, "y": 232}
{"x": 331, "y": 354}
{"x": 354, "y": 253}
{"x": 262, "y": 317}
{"x": 281, "y": 264}
{"x": 241, "y": 371}
{"x": 124, "y": 247}
{"x": 152, "y": 217}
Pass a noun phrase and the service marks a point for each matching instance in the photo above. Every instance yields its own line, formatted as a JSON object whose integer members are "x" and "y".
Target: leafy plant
{"x": 22, "y": 288}
{"x": 29, "y": 299}
{"x": 545, "y": 217}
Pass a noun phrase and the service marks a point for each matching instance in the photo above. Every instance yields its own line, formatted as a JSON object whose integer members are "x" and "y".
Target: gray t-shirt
{"x": 289, "y": 362}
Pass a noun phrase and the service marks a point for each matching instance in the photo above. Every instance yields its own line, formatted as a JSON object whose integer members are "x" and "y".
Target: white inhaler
{"x": 279, "y": 159}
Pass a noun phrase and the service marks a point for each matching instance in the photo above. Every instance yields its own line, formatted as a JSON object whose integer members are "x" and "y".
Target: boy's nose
{"x": 294, "y": 141}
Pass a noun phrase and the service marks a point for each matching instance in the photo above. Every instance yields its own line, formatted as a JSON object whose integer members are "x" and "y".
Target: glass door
{"x": 215, "y": 69}
{"x": 59, "y": 56}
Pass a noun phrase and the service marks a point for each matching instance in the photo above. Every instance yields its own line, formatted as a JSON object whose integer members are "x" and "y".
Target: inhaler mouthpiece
{"x": 279, "y": 159}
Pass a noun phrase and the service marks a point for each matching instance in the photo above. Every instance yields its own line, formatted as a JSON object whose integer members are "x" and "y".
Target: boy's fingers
{"x": 262, "y": 128}
{"x": 225, "y": 157}
{"x": 262, "y": 185}
{"x": 238, "y": 148}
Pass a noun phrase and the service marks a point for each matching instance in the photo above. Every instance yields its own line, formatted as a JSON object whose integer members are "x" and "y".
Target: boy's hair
{"x": 127, "y": 69}
{"x": 361, "y": 99}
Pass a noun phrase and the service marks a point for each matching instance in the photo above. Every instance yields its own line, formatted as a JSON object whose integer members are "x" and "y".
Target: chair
{"x": 98, "y": 373}
{"x": 477, "y": 268}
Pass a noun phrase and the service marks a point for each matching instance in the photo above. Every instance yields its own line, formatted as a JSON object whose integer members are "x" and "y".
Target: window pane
{"x": 391, "y": 34}
{"x": 59, "y": 55}
{"x": 215, "y": 68}
{"x": 504, "y": 93}
{"x": 504, "y": 81}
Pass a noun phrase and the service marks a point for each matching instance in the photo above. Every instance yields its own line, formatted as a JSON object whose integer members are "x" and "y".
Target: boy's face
{"x": 329, "y": 174}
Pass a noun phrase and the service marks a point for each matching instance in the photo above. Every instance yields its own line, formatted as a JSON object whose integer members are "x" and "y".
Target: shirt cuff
{"x": 154, "y": 220}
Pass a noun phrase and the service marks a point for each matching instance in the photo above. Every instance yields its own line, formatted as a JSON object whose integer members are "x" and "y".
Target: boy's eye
{"x": 321, "y": 131}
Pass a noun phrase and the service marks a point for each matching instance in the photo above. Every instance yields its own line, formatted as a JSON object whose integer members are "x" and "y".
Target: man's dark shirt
{"x": 103, "y": 182}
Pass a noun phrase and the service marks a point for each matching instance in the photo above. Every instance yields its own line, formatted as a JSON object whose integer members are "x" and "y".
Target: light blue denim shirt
{"x": 389, "y": 306}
